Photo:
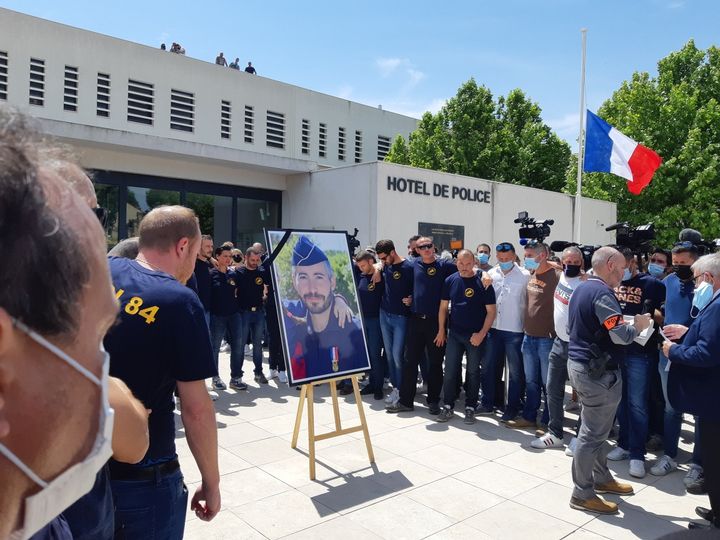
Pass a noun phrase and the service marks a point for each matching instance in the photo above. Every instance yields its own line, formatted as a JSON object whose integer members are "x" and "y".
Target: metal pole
{"x": 581, "y": 143}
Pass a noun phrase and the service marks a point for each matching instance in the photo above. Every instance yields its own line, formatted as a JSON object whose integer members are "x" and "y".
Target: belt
{"x": 422, "y": 316}
{"x": 122, "y": 471}
{"x": 254, "y": 308}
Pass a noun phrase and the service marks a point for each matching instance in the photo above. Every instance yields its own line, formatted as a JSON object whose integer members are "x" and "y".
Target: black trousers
{"x": 710, "y": 451}
{"x": 275, "y": 349}
{"x": 420, "y": 341}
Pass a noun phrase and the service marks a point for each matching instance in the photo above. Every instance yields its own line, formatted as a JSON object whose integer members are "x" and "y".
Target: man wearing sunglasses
{"x": 429, "y": 276}
{"x": 505, "y": 338}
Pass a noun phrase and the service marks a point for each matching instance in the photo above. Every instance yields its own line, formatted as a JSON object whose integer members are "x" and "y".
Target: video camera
{"x": 638, "y": 239}
{"x": 352, "y": 242}
{"x": 558, "y": 246}
{"x": 702, "y": 246}
{"x": 531, "y": 229}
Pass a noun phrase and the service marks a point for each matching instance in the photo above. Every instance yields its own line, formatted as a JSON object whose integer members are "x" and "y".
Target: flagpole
{"x": 581, "y": 142}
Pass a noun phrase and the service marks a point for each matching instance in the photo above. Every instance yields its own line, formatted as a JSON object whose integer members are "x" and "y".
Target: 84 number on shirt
{"x": 133, "y": 307}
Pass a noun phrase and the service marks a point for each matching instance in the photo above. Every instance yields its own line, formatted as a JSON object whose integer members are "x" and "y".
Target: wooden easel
{"x": 307, "y": 394}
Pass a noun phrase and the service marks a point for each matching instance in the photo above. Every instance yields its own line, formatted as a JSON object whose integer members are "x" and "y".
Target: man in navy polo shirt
{"x": 251, "y": 295}
{"x": 224, "y": 315}
{"x": 370, "y": 294}
{"x": 161, "y": 343}
{"x": 429, "y": 275}
{"x": 398, "y": 275}
{"x": 473, "y": 313}
{"x": 318, "y": 345}
{"x": 202, "y": 273}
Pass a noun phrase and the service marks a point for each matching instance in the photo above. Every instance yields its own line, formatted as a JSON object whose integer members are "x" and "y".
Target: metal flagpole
{"x": 581, "y": 142}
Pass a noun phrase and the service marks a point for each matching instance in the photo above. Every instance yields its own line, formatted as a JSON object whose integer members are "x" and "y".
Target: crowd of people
{"x": 109, "y": 342}
{"x": 174, "y": 48}
{"x": 220, "y": 60}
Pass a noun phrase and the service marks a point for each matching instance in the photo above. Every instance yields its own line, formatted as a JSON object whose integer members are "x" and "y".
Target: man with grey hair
{"x": 597, "y": 333}
{"x": 694, "y": 376}
{"x": 570, "y": 278}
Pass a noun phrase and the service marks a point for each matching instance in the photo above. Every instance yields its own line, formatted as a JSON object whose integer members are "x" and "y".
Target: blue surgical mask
{"x": 506, "y": 265}
{"x": 656, "y": 270}
{"x": 483, "y": 258}
{"x": 627, "y": 274}
{"x": 531, "y": 264}
{"x": 701, "y": 298}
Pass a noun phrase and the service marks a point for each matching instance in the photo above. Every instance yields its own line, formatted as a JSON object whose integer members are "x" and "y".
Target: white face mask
{"x": 58, "y": 494}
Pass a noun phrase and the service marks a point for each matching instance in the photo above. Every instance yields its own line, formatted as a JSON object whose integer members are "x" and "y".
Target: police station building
{"x": 247, "y": 152}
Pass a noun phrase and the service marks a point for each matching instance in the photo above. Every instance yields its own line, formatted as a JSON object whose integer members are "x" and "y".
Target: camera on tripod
{"x": 352, "y": 242}
{"x": 638, "y": 239}
{"x": 532, "y": 230}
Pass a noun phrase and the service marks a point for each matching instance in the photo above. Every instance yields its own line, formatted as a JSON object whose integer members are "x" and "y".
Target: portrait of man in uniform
{"x": 322, "y": 326}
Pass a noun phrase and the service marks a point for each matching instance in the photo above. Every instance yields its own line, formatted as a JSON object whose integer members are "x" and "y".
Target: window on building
{"x": 3, "y": 75}
{"x": 37, "y": 82}
{"x": 214, "y": 213}
{"x": 107, "y": 196}
{"x": 225, "y": 119}
{"x": 341, "y": 143}
{"x": 70, "y": 89}
{"x": 275, "y": 130}
{"x": 249, "y": 124}
{"x": 141, "y": 102}
{"x": 322, "y": 140}
{"x": 305, "y": 141}
{"x": 102, "y": 104}
{"x": 383, "y": 147}
{"x": 252, "y": 216}
{"x": 182, "y": 110}
{"x": 141, "y": 200}
{"x": 358, "y": 146}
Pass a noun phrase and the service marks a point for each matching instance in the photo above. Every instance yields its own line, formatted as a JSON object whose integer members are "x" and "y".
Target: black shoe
{"x": 379, "y": 395}
{"x": 434, "y": 408}
{"x": 484, "y": 411}
{"x": 346, "y": 390}
{"x": 704, "y": 513}
{"x": 445, "y": 415}
{"x": 367, "y": 391}
{"x": 694, "y": 525}
{"x": 697, "y": 487}
{"x": 397, "y": 408}
{"x": 469, "y": 415}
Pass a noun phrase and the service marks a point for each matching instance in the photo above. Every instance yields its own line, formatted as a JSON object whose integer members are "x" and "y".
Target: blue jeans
{"x": 458, "y": 344}
{"x": 633, "y": 410}
{"x": 253, "y": 327}
{"x": 374, "y": 344}
{"x": 150, "y": 509}
{"x": 536, "y": 354}
{"x": 394, "y": 328}
{"x": 231, "y": 326}
{"x": 673, "y": 421}
{"x": 502, "y": 345}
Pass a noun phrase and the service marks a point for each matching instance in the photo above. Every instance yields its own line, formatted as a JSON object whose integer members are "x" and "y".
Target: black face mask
{"x": 571, "y": 270}
{"x": 683, "y": 271}
{"x": 237, "y": 258}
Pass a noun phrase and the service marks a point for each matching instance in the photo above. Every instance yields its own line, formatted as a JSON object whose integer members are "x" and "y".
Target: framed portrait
{"x": 318, "y": 307}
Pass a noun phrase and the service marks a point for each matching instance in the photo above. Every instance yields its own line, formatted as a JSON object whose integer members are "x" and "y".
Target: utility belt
{"x": 600, "y": 362}
{"x": 123, "y": 471}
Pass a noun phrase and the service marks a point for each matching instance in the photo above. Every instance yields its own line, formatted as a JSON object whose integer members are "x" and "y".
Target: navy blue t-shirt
{"x": 223, "y": 288}
{"x": 428, "y": 285}
{"x": 161, "y": 338}
{"x": 633, "y": 294}
{"x": 370, "y": 293}
{"x": 398, "y": 280}
{"x": 678, "y": 300}
{"x": 251, "y": 287}
{"x": 468, "y": 298}
{"x": 202, "y": 282}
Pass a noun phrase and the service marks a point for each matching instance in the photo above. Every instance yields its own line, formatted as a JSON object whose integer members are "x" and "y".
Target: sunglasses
{"x": 424, "y": 246}
{"x": 102, "y": 215}
{"x": 504, "y": 246}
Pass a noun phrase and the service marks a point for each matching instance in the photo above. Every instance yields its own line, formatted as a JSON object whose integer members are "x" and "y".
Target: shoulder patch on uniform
{"x": 612, "y": 321}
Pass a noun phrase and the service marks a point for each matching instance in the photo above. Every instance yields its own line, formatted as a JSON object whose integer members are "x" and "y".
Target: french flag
{"x": 608, "y": 150}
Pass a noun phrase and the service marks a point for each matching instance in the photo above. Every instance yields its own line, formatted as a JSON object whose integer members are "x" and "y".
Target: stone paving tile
{"x": 430, "y": 480}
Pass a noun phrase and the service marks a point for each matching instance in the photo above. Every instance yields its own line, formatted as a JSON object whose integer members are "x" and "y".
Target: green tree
{"x": 677, "y": 114}
{"x": 398, "y": 152}
{"x": 474, "y": 135}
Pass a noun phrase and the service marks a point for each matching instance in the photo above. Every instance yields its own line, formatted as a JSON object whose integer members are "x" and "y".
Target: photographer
{"x": 638, "y": 293}
{"x": 597, "y": 329}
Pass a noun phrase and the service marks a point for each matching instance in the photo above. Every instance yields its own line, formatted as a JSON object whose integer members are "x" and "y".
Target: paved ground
{"x": 429, "y": 480}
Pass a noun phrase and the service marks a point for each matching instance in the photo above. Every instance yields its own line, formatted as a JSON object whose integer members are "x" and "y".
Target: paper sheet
{"x": 642, "y": 337}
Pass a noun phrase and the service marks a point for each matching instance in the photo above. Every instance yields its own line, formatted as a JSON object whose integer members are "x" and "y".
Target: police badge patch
{"x": 431, "y": 271}
{"x": 469, "y": 292}
{"x": 396, "y": 275}
{"x": 258, "y": 280}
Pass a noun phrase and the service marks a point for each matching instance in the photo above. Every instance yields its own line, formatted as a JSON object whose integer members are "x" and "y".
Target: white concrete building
{"x": 244, "y": 151}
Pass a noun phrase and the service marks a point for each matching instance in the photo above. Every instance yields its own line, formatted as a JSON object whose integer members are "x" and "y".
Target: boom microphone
{"x": 561, "y": 245}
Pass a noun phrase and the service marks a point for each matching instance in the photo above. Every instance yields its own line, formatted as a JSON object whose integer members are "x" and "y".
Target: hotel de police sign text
{"x": 434, "y": 189}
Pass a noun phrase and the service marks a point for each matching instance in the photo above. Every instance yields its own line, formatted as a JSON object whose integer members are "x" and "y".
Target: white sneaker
{"x": 247, "y": 351}
{"x": 570, "y": 448}
{"x": 693, "y": 475}
{"x": 282, "y": 377}
{"x": 224, "y": 346}
{"x": 637, "y": 468}
{"x": 547, "y": 441}
{"x": 386, "y": 383}
{"x": 618, "y": 454}
{"x": 663, "y": 466}
{"x": 273, "y": 374}
{"x": 393, "y": 397}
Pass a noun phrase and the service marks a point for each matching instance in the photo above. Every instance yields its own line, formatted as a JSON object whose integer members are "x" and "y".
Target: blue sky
{"x": 410, "y": 56}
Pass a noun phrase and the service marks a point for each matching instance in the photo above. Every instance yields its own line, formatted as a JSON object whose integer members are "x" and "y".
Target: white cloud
{"x": 388, "y": 66}
{"x": 414, "y": 76}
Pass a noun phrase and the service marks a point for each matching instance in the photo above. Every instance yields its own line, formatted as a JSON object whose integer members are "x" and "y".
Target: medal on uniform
{"x": 335, "y": 357}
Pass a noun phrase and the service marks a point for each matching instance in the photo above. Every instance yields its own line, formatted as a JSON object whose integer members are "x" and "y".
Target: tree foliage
{"x": 475, "y": 135}
{"x": 677, "y": 114}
